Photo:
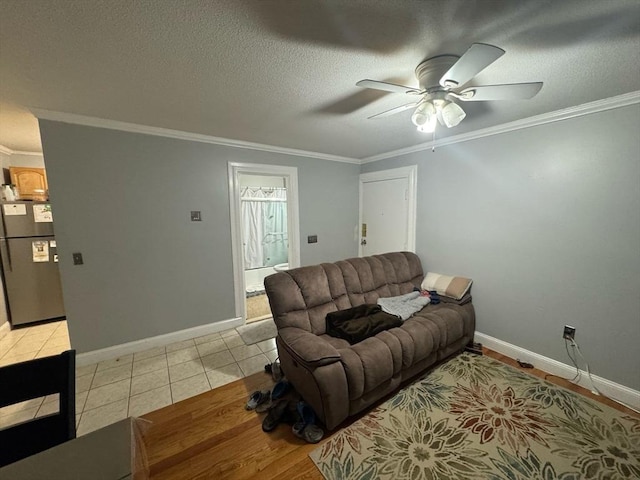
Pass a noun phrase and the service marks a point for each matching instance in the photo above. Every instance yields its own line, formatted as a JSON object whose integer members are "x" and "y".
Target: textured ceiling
{"x": 283, "y": 73}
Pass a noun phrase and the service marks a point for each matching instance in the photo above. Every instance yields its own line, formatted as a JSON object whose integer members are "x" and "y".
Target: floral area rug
{"x": 476, "y": 418}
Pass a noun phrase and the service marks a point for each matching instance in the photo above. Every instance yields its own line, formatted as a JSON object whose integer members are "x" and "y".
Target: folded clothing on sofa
{"x": 357, "y": 323}
{"x": 445, "y": 285}
{"x": 461, "y": 301}
{"x": 404, "y": 305}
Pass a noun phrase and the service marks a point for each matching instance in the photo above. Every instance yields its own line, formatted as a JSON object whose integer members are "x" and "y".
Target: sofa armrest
{"x": 308, "y": 348}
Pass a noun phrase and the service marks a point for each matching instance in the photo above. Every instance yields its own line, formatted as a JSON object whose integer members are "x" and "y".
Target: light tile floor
{"x": 134, "y": 384}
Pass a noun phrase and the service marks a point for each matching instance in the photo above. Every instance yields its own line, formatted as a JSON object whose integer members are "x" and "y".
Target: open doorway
{"x": 265, "y": 238}
{"x": 264, "y": 230}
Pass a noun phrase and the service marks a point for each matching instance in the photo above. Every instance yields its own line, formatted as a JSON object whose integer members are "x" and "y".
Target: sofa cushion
{"x": 418, "y": 339}
{"x": 371, "y": 362}
{"x": 302, "y": 297}
{"x": 446, "y": 324}
{"x": 367, "y": 365}
{"x": 369, "y": 278}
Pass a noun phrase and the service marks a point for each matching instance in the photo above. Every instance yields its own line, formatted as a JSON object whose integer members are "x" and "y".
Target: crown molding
{"x": 8, "y": 151}
{"x": 193, "y": 137}
{"x": 556, "y": 116}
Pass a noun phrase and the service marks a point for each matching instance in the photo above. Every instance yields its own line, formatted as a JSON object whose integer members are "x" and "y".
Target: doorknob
{"x": 363, "y": 241}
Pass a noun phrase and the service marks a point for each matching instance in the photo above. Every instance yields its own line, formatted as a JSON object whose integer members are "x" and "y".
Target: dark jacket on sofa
{"x": 357, "y": 323}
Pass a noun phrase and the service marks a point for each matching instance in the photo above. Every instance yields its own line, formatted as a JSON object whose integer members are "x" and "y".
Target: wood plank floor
{"x": 213, "y": 436}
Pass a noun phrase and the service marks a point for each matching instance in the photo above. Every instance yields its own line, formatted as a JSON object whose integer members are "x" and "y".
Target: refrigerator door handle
{"x": 6, "y": 254}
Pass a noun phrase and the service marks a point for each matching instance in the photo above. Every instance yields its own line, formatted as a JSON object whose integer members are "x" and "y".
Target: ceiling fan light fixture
{"x": 452, "y": 114}
{"x": 428, "y": 127}
{"x": 442, "y": 81}
{"x": 425, "y": 117}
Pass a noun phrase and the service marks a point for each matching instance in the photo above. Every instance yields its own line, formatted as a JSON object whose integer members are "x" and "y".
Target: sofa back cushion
{"x": 303, "y": 296}
{"x": 387, "y": 275}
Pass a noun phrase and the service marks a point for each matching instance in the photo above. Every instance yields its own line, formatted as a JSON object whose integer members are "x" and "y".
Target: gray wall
{"x": 546, "y": 221}
{"x": 123, "y": 200}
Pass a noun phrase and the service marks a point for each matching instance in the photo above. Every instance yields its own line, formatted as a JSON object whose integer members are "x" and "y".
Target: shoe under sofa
{"x": 339, "y": 379}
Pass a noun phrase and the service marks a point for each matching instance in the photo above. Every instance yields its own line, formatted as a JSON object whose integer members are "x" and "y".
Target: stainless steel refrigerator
{"x": 30, "y": 263}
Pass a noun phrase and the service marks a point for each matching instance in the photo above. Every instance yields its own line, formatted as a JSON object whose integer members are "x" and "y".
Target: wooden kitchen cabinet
{"x": 31, "y": 182}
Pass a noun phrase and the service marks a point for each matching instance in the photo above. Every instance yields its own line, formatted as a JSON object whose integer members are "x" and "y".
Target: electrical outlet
{"x": 569, "y": 332}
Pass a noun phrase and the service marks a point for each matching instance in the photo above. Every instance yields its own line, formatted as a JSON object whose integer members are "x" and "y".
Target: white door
{"x": 387, "y": 211}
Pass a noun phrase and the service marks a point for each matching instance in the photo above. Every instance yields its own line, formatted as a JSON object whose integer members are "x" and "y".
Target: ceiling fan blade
{"x": 514, "y": 91}
{"x": 388, "y": 87}
{"x": 478, "y": 57}
{"x": 395, "y": 110}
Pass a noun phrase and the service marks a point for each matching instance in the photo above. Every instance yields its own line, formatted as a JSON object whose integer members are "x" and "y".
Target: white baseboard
{"x": 611, "y": 389}
{"x": 4, "y": 329}
{"x": 95, "y": 356}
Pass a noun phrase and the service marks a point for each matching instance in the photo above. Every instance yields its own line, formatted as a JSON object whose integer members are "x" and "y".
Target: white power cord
{"x": 577, "y": 377}
{"x": 594, "y": 389}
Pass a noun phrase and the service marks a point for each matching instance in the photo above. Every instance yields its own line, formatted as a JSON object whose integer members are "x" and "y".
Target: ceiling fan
{"x": 440, "y": 81}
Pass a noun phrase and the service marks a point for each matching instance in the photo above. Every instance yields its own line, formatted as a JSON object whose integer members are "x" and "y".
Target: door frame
{"x": 410, "y": 175}
{"x": 290, "y": 175}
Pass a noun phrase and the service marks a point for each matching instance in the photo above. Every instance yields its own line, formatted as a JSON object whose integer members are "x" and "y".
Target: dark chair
{"x": 34, "y": 379}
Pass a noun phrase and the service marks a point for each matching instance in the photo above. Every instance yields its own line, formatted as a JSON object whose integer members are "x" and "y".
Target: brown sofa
{"x": 338, "y": 379}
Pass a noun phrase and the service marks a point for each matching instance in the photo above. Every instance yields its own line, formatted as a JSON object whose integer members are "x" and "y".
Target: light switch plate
{"x": 195, "y": 216}
{"x": 312, "y": 239}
